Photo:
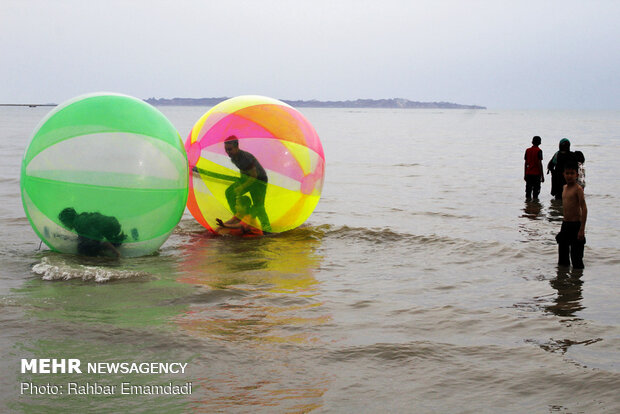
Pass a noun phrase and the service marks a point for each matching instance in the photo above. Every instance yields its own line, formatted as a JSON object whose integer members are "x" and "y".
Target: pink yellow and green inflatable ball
{"x": 283, "y": 142}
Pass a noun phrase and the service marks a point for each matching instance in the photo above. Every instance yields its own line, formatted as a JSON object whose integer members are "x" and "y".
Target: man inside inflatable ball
{"x": 253, "y": 180}
{"x": 98, "y": 235}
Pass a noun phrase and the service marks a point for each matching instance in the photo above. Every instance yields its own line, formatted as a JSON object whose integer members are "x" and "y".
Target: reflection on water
{"x": 260, "y": 290}
{"x": 532, "y": 209}
{"x": 568, "y": 283}
{"x": 253, "y": 296}
{"x": 567, "y": 304}
{"x": 556, "y": 213}
{"x": 256, "y": 296}
{"x": 232, "y": 391}
{"x": 531, "y": 228}
{"x": 131, "y": 296}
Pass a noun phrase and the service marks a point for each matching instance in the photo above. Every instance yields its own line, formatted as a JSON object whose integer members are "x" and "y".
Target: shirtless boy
{"x": 571, "y": 239}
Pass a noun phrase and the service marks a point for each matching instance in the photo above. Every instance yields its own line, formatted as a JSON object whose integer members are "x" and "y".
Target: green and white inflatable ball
{"x": 104, "y": 174}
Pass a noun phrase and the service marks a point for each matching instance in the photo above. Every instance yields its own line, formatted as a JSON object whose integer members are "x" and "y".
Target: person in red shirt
{"x": 533, "y": 174}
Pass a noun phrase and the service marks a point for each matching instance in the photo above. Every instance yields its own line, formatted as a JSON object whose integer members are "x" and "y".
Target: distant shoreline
{"x": 29, "y": 105}
{"x": 393, "y": 103}
{"x": 358, "y": 103}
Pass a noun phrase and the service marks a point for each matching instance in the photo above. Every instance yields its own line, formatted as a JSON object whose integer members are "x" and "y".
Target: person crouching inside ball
{"x": 98, "y": 235}
{"x": 243, "y": 223}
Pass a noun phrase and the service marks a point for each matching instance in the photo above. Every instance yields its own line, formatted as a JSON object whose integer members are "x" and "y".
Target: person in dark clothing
{"x": 581, "y": 169}
{"x": 253, "y": 180}
{"x": 97, "y": 234}
{"x": 533, "y": 174}
{"x": 571, "y": 238}
{"x": 556, "y": 167}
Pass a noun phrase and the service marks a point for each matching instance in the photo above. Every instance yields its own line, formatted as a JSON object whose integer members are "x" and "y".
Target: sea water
{"x": 423, "y": 282}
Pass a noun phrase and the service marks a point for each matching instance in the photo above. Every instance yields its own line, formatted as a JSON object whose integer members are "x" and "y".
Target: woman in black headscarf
{"x": 556, "y": 167}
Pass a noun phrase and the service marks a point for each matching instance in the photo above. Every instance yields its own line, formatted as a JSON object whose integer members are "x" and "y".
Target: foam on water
{"x": 50, "y": 269}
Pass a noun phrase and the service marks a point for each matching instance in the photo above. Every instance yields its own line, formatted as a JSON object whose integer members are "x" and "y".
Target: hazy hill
{"x": 359, "y": 103}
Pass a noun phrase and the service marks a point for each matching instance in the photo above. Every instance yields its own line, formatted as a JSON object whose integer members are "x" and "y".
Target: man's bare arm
{"x": 584, "y": 212}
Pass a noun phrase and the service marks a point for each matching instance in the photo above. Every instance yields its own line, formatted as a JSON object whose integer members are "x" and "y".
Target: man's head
{"x": 570, "y": 172}
{"x": 231, "y": 145}
{"x": 536, "y": 140}
{"x": 67, "y": 217}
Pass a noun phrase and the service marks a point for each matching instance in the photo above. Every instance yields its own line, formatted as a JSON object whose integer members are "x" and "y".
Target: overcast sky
{"x": 500, "y": 54}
